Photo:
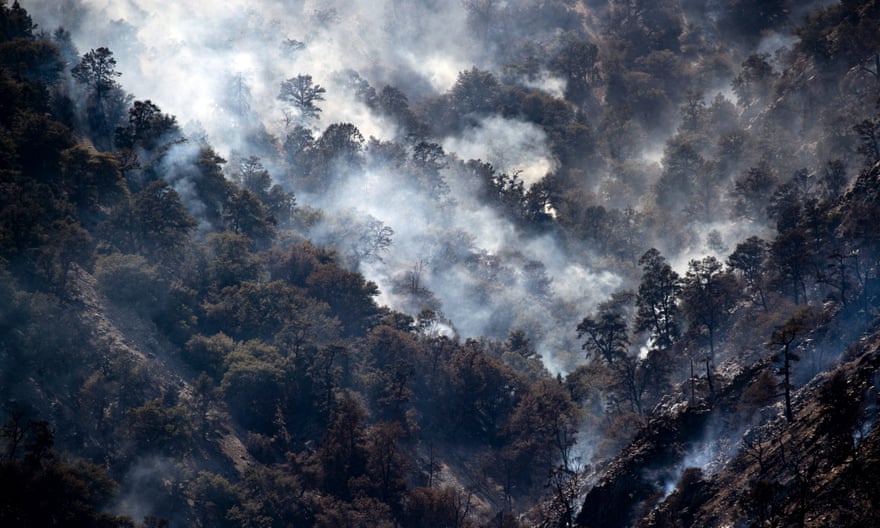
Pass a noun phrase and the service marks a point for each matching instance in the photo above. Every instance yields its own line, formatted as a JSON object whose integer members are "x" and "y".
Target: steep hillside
{"x": 439, "y": 264}
{"x": 818, "y": 470}
{"x": 730, "y": 461}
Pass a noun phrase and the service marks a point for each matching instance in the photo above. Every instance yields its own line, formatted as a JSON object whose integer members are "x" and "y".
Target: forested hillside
{"x": 460, "y": 264}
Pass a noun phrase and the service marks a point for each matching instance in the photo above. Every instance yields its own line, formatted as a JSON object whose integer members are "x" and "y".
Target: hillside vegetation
{"x": 624, "y": 271}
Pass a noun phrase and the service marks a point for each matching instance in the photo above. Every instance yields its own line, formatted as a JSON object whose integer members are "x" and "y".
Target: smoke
{"x": 219, "y": 66}
{"x": 180, "y": 170}
{"x": 510, "y": 146}
{"x": 148, "y": 487}
{"x": 182, "y": 55}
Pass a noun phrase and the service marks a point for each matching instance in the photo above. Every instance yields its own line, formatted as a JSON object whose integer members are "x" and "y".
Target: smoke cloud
{"x": 219, "y": 66}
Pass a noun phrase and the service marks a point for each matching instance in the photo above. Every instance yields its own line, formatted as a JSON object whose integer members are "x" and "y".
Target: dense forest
{"x": 463, "y": 264}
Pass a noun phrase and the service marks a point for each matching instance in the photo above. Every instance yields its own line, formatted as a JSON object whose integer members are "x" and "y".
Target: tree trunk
{"x": 709, "y": 376}
{"x": 787, "y": 384}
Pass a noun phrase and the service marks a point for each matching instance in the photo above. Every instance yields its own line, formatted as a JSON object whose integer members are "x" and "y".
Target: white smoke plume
{"x": 218, "y": 67}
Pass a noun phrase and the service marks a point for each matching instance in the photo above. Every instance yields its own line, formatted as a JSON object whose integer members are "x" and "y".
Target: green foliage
{"x": 231, "y": 260}
{"x": 147, "y": 127}
{"x": 475, "y": 92}
{"x": 658, "y": 311}
{"x": 708, "y": 295}
{"x": 340, "y": 401}
{"x": 15, "y": 22}
{"x": 214, "y": 497}
{"x": 252, "y": 385}
{"x": 576, "y": 62}
{"x": 97, "y": 70}
{"x": 348, "y": 294}
{"x": 154, "y": 223}
{"x": 303, "y": 94}
{"x": 92, "y": 178}
{"x": 34, "y": 60}
{"x": 208, "y": 354}
{"x": 39, "y": 489}
{"x": 749, "y": 259}
{"x": 156, "y": 427}
{"x": 129, "y": 279}
{"x": 245, "y": 214}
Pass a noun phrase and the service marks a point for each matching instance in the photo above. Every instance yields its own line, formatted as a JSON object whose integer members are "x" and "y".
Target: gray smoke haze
{"x": 218, "y": 66}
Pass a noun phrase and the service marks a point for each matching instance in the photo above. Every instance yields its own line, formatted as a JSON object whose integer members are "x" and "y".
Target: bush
{"x": 129, "y": 279}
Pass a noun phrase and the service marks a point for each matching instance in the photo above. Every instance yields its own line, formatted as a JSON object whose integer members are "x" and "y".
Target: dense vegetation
{"x": 191, "y": 340}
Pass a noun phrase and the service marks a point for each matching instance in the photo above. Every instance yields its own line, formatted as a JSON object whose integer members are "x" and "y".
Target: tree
{"x": 607, "y": 341}
{"x": 338, "y": 151}
{"x": 129, "y": 280}
{"x": 576, "y": 62}
{"x": 207, "y": 354}
{"x": 341, "y": 142}
{"x": 785, "y": 337}
{"x": 790, "y": 255}
{"x": 755, "y": 81}
{"x": 349, "y": 295}
{"x": 298, "y": 151}
{"x": 752, "y": 191}
{"x": 302, "y": 93}
{"x": 657, "y": 311}
{"x": 543, "y": 428}
{"x": 748, "y": 258}
{"x": 429, "y": 159}
{"x": 606, "y": 336}
{"x": 266, "y": 497}
{"x": 752, "y": 18}
{"x": 834, "y": 179}
{"x": 15, "y": 22}
{"x": 97, "y": 70}
{"x": 480, "y": 395}
{"x": 43, "y": 489}
{"x": 705, "y": 198}
{"x": 253, "y": 177}
{"x": 238, "y": 96}
{"x": 395, "y": 104}
{"x": 253, "y": 385}
{"x": 475, "y": 92}
{"x": 157, "y": 427}
{"x": 444, "y": 507}
{"x": 91, "y": 178}
{"x": 343, "y": 452}
{"x": 708, "y": 294}
{"x": 34, "y": 60}
{"x": 391, "y": 356}
{"x": 246, "y": 215}
{"x": 682, "y": 167}
{"x": 205, "y": 398}
{"x": 566, "y": 488}
{"x": 213, "y": 496}
{"x": 869, "y": 140}
{"x": 693, "y": 111}
{"x": 161, "y": 222}
{"x": 231, "y": 260}
{"x": 386, "y": 464}
{"x": 147, "y": 126}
